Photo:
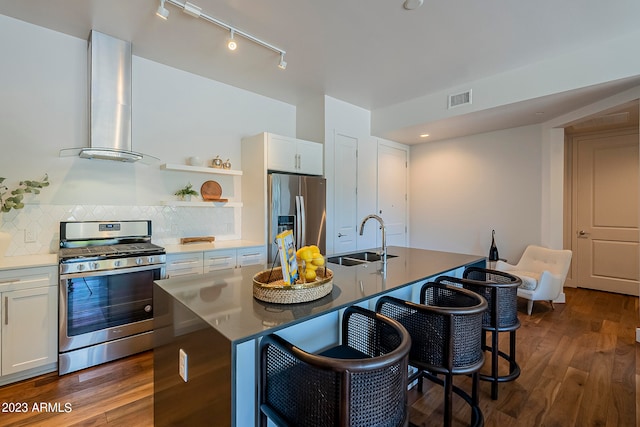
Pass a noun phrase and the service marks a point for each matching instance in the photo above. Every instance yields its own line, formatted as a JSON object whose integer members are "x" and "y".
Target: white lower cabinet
{"x": 29, "y": 313}
{"x": 219, "y": 260}
{"x": 184, "y": 264}
{"x": 181, "y": 264}
{"x": 251, "y": 256}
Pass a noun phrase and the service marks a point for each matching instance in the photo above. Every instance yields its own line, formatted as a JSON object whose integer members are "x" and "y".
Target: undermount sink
{"x": 357, "y": 258}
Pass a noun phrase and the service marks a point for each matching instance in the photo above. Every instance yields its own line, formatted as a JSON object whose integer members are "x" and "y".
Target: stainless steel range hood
{"x": 109, "y": 101}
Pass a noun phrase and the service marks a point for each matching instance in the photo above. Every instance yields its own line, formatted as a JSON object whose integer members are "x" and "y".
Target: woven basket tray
{"x": 275, "y": 290}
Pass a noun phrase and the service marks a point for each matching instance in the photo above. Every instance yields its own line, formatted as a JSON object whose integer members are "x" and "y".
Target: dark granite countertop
{"x": 224, "y": 298}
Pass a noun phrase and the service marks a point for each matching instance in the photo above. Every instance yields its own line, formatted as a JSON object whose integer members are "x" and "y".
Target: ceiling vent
{"x": 459, "y": 99}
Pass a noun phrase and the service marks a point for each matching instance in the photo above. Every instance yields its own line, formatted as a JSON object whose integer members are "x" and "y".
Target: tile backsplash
{"x": 169, "y": 223}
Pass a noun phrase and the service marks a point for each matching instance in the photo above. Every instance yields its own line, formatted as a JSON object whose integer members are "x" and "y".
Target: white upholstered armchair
{"x": 543, "y": 272}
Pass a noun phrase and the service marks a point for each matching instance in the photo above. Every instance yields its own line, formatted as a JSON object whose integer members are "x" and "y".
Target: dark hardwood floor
{"x": 580, "y": 367}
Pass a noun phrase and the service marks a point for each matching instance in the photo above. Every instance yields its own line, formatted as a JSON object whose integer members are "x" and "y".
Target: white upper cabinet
{"x": 293, "y": 155}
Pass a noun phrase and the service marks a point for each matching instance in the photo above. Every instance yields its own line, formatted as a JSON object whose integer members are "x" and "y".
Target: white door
{"x": 392, "y": 192}
{"x": 345, "y": 193}
{"x": 606, "y": 232}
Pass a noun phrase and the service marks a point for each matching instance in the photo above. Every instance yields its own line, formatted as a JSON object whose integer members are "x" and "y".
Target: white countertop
{"x": 203, "y": 247}
{"x": 28, "y": 261}
{"x": 42, "y": 260}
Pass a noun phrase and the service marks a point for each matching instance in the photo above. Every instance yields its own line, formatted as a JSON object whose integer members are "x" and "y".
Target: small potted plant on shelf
{"x": 186, "y": 192}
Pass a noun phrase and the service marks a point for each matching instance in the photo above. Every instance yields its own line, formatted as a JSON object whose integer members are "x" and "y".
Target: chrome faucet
{"x": 384, "y": 237}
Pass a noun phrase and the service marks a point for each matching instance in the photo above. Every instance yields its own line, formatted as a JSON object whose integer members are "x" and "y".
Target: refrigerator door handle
{"x": 298, "y": 225}
{"x": 303, "y": 223}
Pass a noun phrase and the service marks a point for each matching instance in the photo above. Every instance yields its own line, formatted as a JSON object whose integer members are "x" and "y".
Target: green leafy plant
{"x": 14, "y": 200}
{"x": 187, "y": 190}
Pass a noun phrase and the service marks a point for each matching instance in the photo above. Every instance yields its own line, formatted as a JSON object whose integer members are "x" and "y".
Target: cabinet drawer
{"x": 219, "y": 260}
{"x": 184, "y": 264}
{"x": 28, "y": 278}
{"x": 251, "y": 256}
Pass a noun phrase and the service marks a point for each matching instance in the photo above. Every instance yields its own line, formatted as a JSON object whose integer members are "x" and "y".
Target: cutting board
{"x": 201, "y": 239}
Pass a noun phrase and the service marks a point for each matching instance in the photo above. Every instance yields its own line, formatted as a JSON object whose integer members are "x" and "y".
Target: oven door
{"x": 98, "y": 307}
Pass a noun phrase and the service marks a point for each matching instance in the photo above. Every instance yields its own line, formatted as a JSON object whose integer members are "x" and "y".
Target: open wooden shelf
{"x": 199, "y": 169}
{"x": 202, "y": 204}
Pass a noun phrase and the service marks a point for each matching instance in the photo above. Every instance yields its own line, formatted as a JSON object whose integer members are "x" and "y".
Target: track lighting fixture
{"x": 162, "y": 11}
{"x": 192, "y": 9}
{"x": 196, "y": 12}
{"x": 231, "y": 42}
{"x": 283, "y": 64}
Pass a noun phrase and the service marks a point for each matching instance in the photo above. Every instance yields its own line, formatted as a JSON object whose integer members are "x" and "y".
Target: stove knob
{"x": 150, "y": 260}
{"x": 117, "y": 263}
{"x": 139, "y": 261}
{"x": 95, "y": 266}
{"x": 80, "y": 267}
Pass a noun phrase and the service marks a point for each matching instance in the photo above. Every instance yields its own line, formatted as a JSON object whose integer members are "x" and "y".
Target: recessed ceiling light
{"x": 412, "y": 4}
{"x": 424, "y": 135}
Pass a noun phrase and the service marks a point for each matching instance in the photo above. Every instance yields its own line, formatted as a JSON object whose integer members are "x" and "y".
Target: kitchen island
{"x": 207, "y": 330}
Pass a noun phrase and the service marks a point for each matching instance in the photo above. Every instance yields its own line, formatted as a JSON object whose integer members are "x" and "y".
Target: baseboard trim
{"x": 562, "y": 298}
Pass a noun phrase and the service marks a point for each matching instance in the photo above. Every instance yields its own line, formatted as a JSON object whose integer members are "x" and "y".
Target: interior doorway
{"x": 602, "y": 198}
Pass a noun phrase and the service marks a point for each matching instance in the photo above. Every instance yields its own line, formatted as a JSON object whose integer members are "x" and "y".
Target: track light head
{"x": 283, "y": 64}
{"x": 231, "y": 42}
{"x": 162, "y": 11}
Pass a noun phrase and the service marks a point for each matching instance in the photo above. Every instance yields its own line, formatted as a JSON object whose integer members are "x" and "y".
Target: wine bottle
{"x": 493, "y": 250}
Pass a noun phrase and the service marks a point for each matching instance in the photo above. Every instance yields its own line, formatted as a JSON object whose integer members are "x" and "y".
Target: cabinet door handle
{"x": 184, "y": 262}
{"x": 6, "y": 310}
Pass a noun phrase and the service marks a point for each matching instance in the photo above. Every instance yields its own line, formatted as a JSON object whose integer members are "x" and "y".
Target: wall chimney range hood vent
{"x": 109, "y": 63}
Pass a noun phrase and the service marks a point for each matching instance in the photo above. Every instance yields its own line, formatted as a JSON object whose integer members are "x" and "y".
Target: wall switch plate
{"x": 30, "y": 235}
{"x": 183, "y": 368}
{"x": 637, "y": 334}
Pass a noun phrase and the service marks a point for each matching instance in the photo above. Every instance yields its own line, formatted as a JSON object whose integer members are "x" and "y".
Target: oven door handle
{"x": 112, "y": 272}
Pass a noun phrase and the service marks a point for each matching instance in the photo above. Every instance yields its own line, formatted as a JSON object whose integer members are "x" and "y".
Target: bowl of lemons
{"x": 314, "y": 280}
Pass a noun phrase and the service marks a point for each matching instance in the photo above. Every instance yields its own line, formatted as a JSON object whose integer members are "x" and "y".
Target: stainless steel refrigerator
{"x": 298, "y": 203}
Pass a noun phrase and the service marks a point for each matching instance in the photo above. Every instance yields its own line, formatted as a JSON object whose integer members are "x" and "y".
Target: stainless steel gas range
{"x": 107, "y": 270}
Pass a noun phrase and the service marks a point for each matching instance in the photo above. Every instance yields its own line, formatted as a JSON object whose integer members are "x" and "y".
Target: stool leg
{"x": 494, "y": 365}
{"x": 448, "y": 399}
{"x": 512, "y": 352}
{"x": 475, "y": 389}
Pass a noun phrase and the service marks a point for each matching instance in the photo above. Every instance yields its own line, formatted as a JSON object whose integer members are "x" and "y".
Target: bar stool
{"x": 500, "y": 290}
{"x": 446, "y": 332}
{"x": 361, "y": 382}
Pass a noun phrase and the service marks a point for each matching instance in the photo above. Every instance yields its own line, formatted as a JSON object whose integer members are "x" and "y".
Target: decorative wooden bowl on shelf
{"x": 268, "y": 286}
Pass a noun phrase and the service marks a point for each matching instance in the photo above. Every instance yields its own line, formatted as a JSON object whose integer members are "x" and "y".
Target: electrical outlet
{"x": 183, "y": 368}
{"x": 29, "y": 235}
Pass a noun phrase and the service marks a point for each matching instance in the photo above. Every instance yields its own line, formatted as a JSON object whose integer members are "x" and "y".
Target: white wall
{"x": 43, "y": 88}
{"x": 463, "y": 188}
{"x": 582, "y": 68}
